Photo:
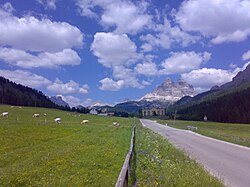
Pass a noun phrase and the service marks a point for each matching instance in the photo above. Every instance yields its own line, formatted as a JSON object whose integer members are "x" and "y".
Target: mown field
{"x": 234, "y": 133}
{"x": 159, "y": 163}
{"x": 38, "y": 152}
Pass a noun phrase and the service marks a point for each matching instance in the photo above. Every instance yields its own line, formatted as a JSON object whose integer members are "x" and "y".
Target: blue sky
{"x": 107, "y": 51}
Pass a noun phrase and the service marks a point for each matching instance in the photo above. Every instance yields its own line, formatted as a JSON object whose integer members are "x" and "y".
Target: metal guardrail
{"x": 122, "y": 180}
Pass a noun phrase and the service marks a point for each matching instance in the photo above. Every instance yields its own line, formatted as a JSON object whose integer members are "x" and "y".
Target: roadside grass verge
{"x": 230, "y": 132}
{"x": 38, "y": 152}
{"x": 159, "y": 163}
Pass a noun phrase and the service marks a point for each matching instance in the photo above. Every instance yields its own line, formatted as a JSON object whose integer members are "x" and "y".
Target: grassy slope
{"x": 159, "y": 163}
{"x": 235, "y": 133}
{"x": 35, "y": 153}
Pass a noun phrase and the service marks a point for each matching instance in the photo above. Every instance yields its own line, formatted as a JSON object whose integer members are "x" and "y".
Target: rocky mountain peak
{"x": 169, "y": 91}
{"x": 181, "y": 82}
{"x": 168, "y": 82}
{"x": 58, "y": 100}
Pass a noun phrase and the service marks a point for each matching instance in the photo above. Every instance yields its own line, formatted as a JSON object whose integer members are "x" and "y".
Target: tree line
{"x": 19, "y": 95}
{"x": 232, "y": 108}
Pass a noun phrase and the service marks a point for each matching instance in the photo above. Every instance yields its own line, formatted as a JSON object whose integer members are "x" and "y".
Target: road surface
{"x": 229, "y": 162}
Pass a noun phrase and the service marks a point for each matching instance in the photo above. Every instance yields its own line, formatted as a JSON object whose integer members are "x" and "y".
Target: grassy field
{"x": 235, "y": 133}
{"x": 159, "y": 163}
{"x": 38, "y": 152}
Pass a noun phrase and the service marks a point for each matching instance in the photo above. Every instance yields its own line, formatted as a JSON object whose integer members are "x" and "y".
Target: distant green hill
{"x": 233, "y": 107}
{"x": 17, "y": 94}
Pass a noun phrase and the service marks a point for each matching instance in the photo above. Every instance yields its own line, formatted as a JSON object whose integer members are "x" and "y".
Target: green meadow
{"x": 39, "y": 152}
{"x": 230, "y": 132}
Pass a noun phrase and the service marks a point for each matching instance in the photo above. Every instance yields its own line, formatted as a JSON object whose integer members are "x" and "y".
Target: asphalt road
{"x": 229, "y": 162}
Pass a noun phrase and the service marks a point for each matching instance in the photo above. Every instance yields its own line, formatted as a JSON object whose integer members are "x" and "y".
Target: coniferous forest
{"x": 19, "y": 95}
{"x": 233, "y": 108}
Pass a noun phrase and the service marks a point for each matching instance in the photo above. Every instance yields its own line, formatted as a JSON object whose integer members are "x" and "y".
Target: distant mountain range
{"x": 163, "y": 96}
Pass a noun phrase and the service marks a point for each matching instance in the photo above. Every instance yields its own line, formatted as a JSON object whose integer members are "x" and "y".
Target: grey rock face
{"x": 169, "y": 91}
{"x": 59, "y": 101}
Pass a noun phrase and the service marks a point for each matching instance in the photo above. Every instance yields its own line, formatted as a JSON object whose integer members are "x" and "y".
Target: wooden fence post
{"x": 122, "y": 180}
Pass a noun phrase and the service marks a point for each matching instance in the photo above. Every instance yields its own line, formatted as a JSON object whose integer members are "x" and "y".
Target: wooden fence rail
{"x": 122, "y": 180}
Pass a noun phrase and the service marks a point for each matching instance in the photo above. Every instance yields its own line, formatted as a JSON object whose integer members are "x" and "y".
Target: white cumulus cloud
{"x": 8, "y": 7}
{"x": 166, "y": 36}
{"x": 246, "y": 55}
{"x": 182, "y": 62}
{"x": 37, "y": 81}
{"x": 147, "y": 69}
{"x": 48, "y": 4}
{"x": 25, "y": 78}
{"x": 30, "y": 33}
{"x": 208, "y": 77}
{"x": 122, "y": 78}
{"x": 67, "y": 88}
{"x": 146, "y": 47}
{"x": 87, "y": 7}
{"x": 125, "y": 16}
{"x": 205, "y": 78}
{"x": 29, "y": 42}
{"x": 25, "y": 59}
{"x": 113, "y": 49}
{"x": 223, "y": 20}
{"x": 127, "y": 75}
{"x": 117, "y": 52}
{"x": 111, "y": 85}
